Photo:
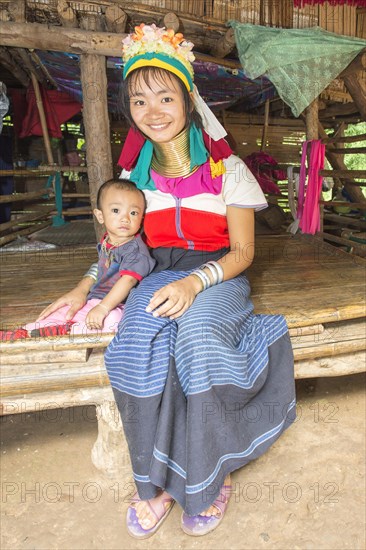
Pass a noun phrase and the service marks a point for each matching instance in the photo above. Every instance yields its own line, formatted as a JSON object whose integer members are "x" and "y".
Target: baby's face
{"x": 121, "y": 212}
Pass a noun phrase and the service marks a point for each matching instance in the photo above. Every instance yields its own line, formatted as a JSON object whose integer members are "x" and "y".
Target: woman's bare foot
{"x": 213, "y": 510}
{"x": 144, "y": 509}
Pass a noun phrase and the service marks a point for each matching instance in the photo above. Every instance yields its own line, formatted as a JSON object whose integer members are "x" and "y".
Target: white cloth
{"x": 210, "y": 123}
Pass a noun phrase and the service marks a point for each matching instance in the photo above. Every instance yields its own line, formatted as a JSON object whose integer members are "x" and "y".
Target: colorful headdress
{"x": 159, "y": 47}
{"x": 150, "y": 46}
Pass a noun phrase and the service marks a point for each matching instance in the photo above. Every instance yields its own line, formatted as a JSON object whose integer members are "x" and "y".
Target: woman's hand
{"x": 76, "y": 299}
{"x": 175, "y": 298}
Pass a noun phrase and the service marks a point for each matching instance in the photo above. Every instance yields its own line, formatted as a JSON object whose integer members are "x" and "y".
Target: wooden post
{"x": 115, "y": 18}
{"x": 224, "y": 45}
{"x": 96, "y": 122}
{"x": 311, "y": 117}
{"x": 171, "y": 21}
{"x": 357, "y": 91}
{"x": 9, "y": 63}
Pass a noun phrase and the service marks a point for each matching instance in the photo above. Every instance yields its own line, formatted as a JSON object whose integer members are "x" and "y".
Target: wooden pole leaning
{"x": 96, "y": 122}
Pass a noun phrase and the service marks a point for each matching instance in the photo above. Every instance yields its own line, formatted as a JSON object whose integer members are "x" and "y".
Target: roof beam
{"x": 61, "y": 39}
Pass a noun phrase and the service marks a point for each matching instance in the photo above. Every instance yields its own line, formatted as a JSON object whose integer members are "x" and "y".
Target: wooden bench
{"x": 61, "y": 372}
{"x": 321, "y": 294}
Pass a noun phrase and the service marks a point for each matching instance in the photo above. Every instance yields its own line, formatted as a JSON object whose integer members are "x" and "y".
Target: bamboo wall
{"x": 343, "y": 19}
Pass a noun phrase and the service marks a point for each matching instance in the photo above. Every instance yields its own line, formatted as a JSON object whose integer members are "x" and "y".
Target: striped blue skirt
{"x": 202, "y": 395}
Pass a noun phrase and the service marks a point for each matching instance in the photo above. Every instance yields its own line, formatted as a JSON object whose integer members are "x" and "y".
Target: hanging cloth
{"x": 299, "y": 62}
{"x": 308, "y": 210}
{"x": 55, "y": 182}
{"x": 58, "y": 107}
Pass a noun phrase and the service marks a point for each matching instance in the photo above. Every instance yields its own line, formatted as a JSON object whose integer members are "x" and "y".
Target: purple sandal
{"x": 197, "y": 526}
{"x": 160, "y": 512}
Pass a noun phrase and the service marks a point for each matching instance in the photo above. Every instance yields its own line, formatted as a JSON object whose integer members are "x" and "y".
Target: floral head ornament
{"x": 151, "y": 46}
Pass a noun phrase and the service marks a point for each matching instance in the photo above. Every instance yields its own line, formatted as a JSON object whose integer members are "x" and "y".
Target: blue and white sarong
{"x": 203, "y": 395}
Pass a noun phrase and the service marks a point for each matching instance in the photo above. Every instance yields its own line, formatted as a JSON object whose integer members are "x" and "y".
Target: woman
{"x": 210, "y": 384}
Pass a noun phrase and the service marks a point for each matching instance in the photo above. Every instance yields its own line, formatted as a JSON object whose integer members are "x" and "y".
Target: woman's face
{"x": 157, "y": 108}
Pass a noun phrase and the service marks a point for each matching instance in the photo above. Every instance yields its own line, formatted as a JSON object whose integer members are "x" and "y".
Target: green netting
{"x": 299, "y": 62}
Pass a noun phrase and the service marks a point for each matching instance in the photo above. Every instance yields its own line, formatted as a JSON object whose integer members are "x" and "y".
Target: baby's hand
{"x": 95, "y": 317}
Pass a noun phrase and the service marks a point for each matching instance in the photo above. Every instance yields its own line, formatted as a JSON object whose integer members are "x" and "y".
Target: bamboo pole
{"x": 349, "y": 150}
{"x": 345, "y": 139}
{"x": 24, "y": 196}
{"x": 27, "y": 231}
{"x": 58, "y": 343}
{"x": 342, "y": 203}
{"x": 265, "y": 125}
{"x": 360, "y": 249}
{"x": 43, "y": 171}
{"x": 27, "y": 218}
{"x": 344, "y": 174}
{"x": 42, "y": 117}
{"x": 345, "y": 219}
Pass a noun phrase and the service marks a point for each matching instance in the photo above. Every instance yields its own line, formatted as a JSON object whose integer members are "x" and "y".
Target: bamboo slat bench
{"x": 320, "y": 290}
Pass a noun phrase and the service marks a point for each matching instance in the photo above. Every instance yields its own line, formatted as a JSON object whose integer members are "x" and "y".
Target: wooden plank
{"x": 343, "y": 139}
{"x": 27, "y": 231}
{"x": 342, "y": 203}
{"x": 16, "y": 197}
{"x": 359, "y": 248}
{"x": 349, "y": 150}
{"x": 343, "y": 173}
{"x": 297, "y": 276}
{"x": 56, "y": 343}
{"x": 341, "y": 365}
{"x": 304, "y": 331}
{"x": 36, "y": 215}
{"x": 345, "y": 220}
{"x": 43, "y": 171}
{"x": 17, "y": 361}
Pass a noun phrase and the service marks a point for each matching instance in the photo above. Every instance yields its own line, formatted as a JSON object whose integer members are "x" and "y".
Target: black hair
{"x": 122, "y": 184}
{"x": 155, "y": 74}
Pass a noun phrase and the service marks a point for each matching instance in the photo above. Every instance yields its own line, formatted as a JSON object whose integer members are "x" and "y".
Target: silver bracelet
{"x": 92, "y": 272}
{"x": 213, "y": 271}
{"x": 219, "y": 270}
{"x": 204, "y": 278}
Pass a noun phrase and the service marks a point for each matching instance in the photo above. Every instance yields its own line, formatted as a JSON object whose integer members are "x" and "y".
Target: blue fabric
{"x": 187, "y": 390}
{"x": 132, "y": 256}
{"x": 55, "y": 180}
{"x": 141, "y": 173}
{"x": 197, "y": 149}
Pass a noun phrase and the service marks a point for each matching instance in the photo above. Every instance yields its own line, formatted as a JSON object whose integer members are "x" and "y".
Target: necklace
{"x": 108, "y": 252}
{"x": 172, "y": 159}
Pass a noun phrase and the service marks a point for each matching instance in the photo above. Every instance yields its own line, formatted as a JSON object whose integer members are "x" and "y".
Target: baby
{"x": 124, "y": 260}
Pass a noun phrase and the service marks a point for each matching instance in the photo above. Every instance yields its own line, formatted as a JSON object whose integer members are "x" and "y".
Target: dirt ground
{"x": 306, "y": 492}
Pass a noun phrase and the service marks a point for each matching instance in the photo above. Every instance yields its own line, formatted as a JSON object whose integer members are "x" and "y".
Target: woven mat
{"x": 72, "y": 233}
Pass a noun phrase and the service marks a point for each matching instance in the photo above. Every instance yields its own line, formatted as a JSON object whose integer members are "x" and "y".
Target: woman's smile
{"x": 158, "y": 111}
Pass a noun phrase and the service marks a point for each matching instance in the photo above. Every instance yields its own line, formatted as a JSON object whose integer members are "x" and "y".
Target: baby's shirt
{"x": 131, "y": 258}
